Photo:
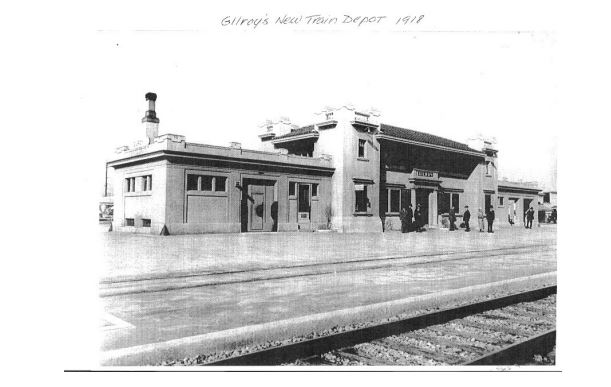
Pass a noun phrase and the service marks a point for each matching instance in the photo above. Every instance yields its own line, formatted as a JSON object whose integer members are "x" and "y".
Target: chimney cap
{"x": 150, "y": 96}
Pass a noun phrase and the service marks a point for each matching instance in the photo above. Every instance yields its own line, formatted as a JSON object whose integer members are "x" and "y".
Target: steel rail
{"x": 308, "y": 348}
{"x": 519, "y": 352}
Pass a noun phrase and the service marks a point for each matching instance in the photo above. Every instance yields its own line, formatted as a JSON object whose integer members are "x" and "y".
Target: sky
{"x": 217, "y": 84}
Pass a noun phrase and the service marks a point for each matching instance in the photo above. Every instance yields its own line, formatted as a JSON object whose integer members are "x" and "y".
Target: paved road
{"x": 164, "y": 315}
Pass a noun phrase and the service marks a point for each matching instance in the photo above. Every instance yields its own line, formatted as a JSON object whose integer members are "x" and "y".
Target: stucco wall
{"x": 140, "y": 204}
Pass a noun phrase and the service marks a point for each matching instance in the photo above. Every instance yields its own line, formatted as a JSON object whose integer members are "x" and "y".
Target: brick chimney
{"x": 150, "y": 119}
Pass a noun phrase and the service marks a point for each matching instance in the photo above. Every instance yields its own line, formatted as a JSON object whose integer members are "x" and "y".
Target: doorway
{"x": 487, "y": 203}
{"x": 259, "y": 205}
{"x": 525, "y": 208}
{"x": 422, "y": 198}
{"x": 304, "y": 203}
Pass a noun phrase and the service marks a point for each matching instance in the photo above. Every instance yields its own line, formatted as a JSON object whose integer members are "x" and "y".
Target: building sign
{"x": 421, "y": 173}
{"x": 359, "y": 187}
{"x": 425, "y": 173}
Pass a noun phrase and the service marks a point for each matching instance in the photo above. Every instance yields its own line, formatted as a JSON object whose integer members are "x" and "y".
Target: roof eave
{"x": 295, "y": 138}
{"x": 383, "y": 136}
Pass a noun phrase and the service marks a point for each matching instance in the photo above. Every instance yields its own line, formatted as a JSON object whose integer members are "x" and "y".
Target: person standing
{"x": 530, "y": 215}
{"x": 410, "y": 217}
{"x": 452, "y": 216}
{"x": 418, "y": 218}
{"x": 480, "y": 219}
{"x": 490, "y": 218}
{"x": 466, "y": 217}
{"x": 403, "y": 217}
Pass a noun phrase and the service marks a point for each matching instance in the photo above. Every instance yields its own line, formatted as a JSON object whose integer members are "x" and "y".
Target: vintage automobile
{"x": 105, "y": 211}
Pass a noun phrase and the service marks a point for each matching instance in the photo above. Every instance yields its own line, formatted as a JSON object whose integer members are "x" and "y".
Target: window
{"x": 362, "y": 148}
{"x": 292, "y": 188}
{"x": 147, "y": 183}
{"x": 206, "y": 183}
{"x": 362, "y": 201}
{"x": 129, "y": 221}
{"x": 130, "y": 184}
{"x": 488, "y": 168}
{"x": 146, "y": 223}
{"x": 501, "y": 200}
{"x": 314, "y": 190}
{"x": 445, "y": 200}
{"x": 394, "y": 199}
{"x": 192, "y": 182}
{"x": 220, "y": 183}
{"x": 455, "y": 202}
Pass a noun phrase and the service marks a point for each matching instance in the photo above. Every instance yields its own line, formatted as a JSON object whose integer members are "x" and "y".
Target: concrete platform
{"x": 230, "y": 339}
{"x": 134, "y": 256}
{"x": 436, "y": 263}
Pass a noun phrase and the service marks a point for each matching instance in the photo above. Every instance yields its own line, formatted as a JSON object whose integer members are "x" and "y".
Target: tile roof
{"x": 413, "y": 135}
{"x": 297, "y": 132}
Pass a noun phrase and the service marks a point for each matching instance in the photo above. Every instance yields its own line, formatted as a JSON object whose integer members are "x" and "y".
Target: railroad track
{"x": 501, "y": 331}
{"x": 120, "y": 287}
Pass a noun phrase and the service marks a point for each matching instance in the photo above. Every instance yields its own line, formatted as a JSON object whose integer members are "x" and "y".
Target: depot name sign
{"x": 424, "y": 174}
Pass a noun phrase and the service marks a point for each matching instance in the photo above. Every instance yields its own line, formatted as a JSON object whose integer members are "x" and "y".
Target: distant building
{"x": 346, "y": 171}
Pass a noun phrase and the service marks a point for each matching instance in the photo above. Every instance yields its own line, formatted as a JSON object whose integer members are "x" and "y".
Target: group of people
{"x": 466, "y": 217}
{"x": 529, "y": 215}
{"x": 412, "y": 220}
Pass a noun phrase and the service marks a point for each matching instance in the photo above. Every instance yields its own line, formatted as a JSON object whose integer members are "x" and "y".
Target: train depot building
{"x": 346, "y": 172}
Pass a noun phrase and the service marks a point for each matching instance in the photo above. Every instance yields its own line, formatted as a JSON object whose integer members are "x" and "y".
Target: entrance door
{"x": 525, "y": 208}
{"x": 422, "y": 198}
{"x": 256, "y": 207}
{"x": 259, "y": 208}
{"x": 304, "y": 204}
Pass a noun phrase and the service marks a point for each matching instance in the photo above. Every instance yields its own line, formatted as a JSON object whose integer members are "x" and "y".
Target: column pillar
{"x": 433, "y": 208}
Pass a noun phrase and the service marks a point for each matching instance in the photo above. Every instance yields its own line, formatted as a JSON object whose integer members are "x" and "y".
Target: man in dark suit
{"x": 452, "y": 216}
{"x": 403, "y": 217}
{"x": 410, "y": 217}
{"x": 490, "y": 218}
{"x": 418, "y": 218}
{"x": 530, "y": 215}
{"x": 466, "y": 217}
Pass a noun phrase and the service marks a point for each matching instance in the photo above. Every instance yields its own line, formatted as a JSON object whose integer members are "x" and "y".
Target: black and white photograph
{"x": 322, "y": 187}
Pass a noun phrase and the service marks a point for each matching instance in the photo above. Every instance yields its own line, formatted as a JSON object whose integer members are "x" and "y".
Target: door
{"x": 256, "y": 207}
{"x": 304, "y": 204}
{"x": 422, "y": 198}
{"x": 259, "y": 205}
{"x": 526, "y": 207}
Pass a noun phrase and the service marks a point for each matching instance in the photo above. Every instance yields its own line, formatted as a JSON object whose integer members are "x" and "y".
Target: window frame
{"x": 130, "y": 184}
{"x": 488, "y": 168}
{"x": 294, "y": 194}
{"x": 199, "y": 176}
{"x": 451, "y": 195}
{"x": 389, "y": 201}
{"x": 367, "y": 211}
{"x": 364, "y": 148}
{"x": 312, "y": 189}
